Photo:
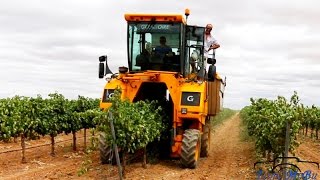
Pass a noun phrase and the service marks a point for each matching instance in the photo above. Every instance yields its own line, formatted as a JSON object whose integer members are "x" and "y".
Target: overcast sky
{"x": 268, "y": 48}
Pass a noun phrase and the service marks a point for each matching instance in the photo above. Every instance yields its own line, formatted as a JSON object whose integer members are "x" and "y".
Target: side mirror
{"x": 102, "y": 58}
{"x": 211, "y": 61}
{"x": 101, "y": 70}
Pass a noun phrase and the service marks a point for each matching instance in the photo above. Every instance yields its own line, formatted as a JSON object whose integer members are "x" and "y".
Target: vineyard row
{"x": 28, "y": 117}
{"x": 267, "y": 120}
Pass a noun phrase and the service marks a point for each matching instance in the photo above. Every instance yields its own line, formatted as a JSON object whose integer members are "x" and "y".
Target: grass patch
{"x": 244, "y": 135}
{"x": 226, "y": 113}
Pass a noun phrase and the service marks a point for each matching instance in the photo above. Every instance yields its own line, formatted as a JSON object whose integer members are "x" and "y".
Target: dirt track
{"x": 230, "y": 157}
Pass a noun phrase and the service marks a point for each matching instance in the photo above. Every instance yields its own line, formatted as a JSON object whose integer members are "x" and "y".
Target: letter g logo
{"x": 110, "y": 95}
{"x": 190, "y": 98}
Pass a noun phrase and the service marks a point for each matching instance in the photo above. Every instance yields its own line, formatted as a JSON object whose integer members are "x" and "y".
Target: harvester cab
{"x": 185, "y": 43}
{"x": 166, "y": 62}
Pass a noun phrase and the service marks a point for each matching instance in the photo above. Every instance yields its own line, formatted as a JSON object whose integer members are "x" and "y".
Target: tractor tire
{"x": 205, "y": 141}
{"x": 106, "y": 153}
{"x": 190, "y": 150}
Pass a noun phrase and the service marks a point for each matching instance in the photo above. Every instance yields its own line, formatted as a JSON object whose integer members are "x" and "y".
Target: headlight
{"x": 184, "y": 110}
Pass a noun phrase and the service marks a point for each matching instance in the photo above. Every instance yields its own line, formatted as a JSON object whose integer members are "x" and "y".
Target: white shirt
{"x": 207, "y": 43}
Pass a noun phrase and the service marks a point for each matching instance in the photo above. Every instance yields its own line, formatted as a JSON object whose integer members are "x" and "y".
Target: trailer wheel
{"x": 205, "y": 141}
{"x": 190, "y": 150}
{"x": 106, "y": 154}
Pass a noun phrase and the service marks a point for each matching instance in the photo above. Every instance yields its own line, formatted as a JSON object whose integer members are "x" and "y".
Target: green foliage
{"x": 56, "y": 114}
{"x": 7, "y": 124}
{"x": 266, "y": 121}
{"x": 135, "y": 124}
{"x": 87, "y": 109}
{"x": 85, "y": 165}
{"x": 18, "y": 116}
{"x": 51, "y": 116}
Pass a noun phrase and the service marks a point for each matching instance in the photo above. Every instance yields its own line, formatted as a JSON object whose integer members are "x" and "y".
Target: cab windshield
{"x": 154, "y": 46}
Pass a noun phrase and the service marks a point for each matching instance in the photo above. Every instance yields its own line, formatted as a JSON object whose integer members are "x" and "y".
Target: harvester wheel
{"x": 190, "y": 150}
{"x": 106, "y": 154}
{"x": 205, "y": 141}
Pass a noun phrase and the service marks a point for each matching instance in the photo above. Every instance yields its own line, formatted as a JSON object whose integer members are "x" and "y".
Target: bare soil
{"x": 309, "y": 150}
{"x": 230, "y": 157}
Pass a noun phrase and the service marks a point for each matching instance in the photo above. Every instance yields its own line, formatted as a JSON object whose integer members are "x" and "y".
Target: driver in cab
{"x": 163, "y": 50}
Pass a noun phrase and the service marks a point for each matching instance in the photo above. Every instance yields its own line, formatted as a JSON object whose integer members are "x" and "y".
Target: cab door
{"x": 194, "y": 45}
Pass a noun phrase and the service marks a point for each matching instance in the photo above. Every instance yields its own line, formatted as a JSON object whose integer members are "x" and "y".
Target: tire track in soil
{"x": 229, "y": 158}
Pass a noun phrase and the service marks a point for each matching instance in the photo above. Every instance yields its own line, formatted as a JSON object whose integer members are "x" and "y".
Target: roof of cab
{"x": 155, "y": 17}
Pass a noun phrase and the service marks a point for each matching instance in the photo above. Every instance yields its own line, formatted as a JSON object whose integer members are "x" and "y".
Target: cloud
{"x": 267, "y": 49}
